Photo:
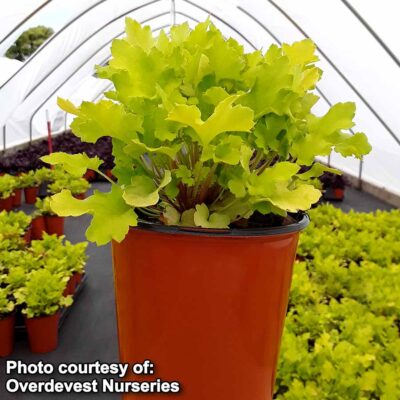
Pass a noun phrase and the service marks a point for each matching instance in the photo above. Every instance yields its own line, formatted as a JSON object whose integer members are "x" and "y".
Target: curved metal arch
{"x": 79, "y": 67}
{"x": 369, "y": 28}
{"x": 337, "y": 69}
{"x": 44, "y": 4}
{"x": 88, "y": 38}
{"x": 44, "y": 45}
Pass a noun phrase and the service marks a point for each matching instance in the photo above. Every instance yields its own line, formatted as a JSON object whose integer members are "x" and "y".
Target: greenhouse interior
{"x": 194, "y": 198}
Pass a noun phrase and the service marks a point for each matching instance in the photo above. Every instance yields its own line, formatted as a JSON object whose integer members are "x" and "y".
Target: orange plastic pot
{"x": 6, "y": 204}
{"x": 54, "y": 225}
{"x": 28, "y": 236}
{"x": 89, "y": 175}
{"x": 31, "y": 194}
{"x": 80, "y": 196}
{"x": 7, "y": 335}
{"x": 43, "y": 333}
{"x": 70, "y": 287}
{"x": 338, "y": 193}
{"x": 17, "y": 198}
{"x": 206, "y": 308}
{"x": 38, "y": 227}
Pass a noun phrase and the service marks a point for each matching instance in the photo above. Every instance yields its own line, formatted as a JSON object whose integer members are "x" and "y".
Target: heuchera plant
{"x": 204, "y": 134}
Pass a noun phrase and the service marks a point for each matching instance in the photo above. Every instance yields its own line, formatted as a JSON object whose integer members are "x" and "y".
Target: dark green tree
{"x": 28, "y": 42}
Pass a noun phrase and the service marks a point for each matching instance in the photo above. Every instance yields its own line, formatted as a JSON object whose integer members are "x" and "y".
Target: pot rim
{"x": 302, "y": 220}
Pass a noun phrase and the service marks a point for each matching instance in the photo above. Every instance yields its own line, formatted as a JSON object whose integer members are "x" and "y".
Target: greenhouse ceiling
{"x": 357, "y": 43}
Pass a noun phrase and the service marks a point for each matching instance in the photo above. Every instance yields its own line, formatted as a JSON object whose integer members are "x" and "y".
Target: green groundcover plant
{"x": 203, "y": 134}
{"x": 7, "y": 305}
{"x": 7, "y": 186}
{"x": 42, "y": 294}
{"x": 342, "y": 333}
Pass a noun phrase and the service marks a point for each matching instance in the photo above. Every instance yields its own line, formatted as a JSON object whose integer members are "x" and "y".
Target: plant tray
{"x": 20, "y": 326}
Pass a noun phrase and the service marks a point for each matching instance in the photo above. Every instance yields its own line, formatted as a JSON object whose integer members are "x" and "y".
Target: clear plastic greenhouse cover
{"x": 357, "y": 40}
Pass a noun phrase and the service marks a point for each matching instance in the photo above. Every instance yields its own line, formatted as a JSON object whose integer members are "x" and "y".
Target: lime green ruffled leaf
{"x": 143, "y": 191}
{"x": 225, "y": 118}
{"x": 317, "y": 170}
{"x": 301, "y": 53}
{"x": 105, "y": 118}
{"x": 112, "y": 217}
{"x": 138, "y": 35}
{"x": 67, "y": 106}
{"x": 171, "y": 216}
{"x": 75, "y": 164}
{"x": 300, "y": 198}
{"x": 203, "y": 218}
{"x": 65, "y": 204}
{"x": 185, "y": 175}
{"x": 187, "y": 218}
{"x": 356, "y": 145}
{"x": 265, "y": 183}
{"x": 136, "y": 148}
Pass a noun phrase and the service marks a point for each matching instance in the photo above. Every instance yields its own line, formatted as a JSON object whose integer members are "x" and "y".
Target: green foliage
{"x": 43, "y": 294}
{"x": 29, "y": 179}
{"x": 28, "y": 42}
{"x": 204, "y": 134}
{"x": 7, "y": 186}
{"x": 13, "y": 225}
{"x": 7, "y": 305}
{"x": 341, "y": 337}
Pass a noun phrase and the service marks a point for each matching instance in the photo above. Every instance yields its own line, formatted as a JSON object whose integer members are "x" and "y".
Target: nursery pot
{"x": 338, "y": 193}
{"x": 17, "y": 198}
{"x": 38, "y": 227}
{"x": 207, "y": 307}
{"x": 43, "y": 333}
{"x": 54, "y": 225}
{"x": 31, "y": 194}
{"x": 6, "y": 204}
{"x": 7, "y": 335}
{"x": 28, "y": 235}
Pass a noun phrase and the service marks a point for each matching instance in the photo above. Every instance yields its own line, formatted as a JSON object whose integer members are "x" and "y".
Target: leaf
{"x": 143, "y": 192}
{"x": 171, "y": 216}
{"x": 67, "y": 106}
{"x": 353, "y": 145}
{"x": 112, "y": 217}
{"x": 136, "y": 148}
{"x": 300, "y": 53}
{"x": 225, "y": 118}
{"x": 185, "y": 175}
{"x": 300, "y": 198}
{"x": 138, "y": 35}
{"x": 203, "y": 218}
{"x": 105, "y": 118}
{"x": 75, "y": 164}
{"x": 316, "y": 171}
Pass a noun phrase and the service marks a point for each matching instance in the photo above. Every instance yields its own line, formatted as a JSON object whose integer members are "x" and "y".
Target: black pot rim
{"x": 302, "y": 220}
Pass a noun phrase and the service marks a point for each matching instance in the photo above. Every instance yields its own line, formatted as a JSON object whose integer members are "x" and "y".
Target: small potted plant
{"x": 29, "y": 182}
{"x": 15, "y": 225}
{"x": 53, "y": 223}
{"x": 7, "y": 322}
{"x": 78, "y": 186}
{"x": 7, "y": 187}
{"x": 209, "y": 200}
{"x": 42, "y": 299}
{"x": 333, "y": 186}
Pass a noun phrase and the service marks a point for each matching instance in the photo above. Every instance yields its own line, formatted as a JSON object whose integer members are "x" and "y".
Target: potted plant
{"x": 208, "y": 202}
{"x": 15, "y": 226}
{"x": 29, "y": 182}
{"x": 53, "y": 223}
{"x": 42, "y": 299}
{"x": 7, "y": 186}
{"x": 7, "y": 322}
{"x": 78, "y": 186}
{"x": 333, "y": 186}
